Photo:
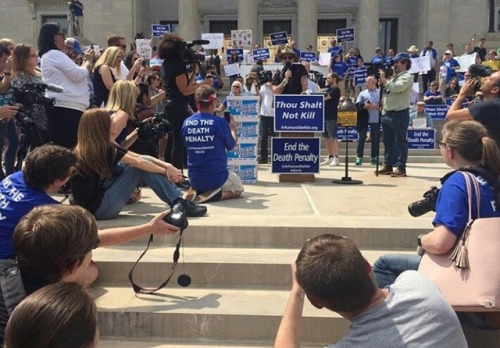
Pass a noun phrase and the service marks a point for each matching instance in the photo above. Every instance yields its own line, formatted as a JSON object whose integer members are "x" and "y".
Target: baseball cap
{"x": 401, "y": 55}
{"x": 378, "y": 49}
{"x": 74, "y": 44}
{"x": 448, "y": 52}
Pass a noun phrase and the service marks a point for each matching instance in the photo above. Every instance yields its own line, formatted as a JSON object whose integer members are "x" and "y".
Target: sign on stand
{"x": 421, "y": 139}
{"x": 299, "y": 113}
{"x": 295, "y": 155}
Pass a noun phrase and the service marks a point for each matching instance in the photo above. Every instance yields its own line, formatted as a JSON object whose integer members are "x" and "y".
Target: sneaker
{"x": 262, "y": 161}
{"x": 335, "y": 162}
{"x": 184, "y": 185}
{"x": 385, "y": 170}
{"x": 327, "y": 161}
{"x": 194, "y": 210}
{"x": 398, "y": 173}
{"x": 359, "y": 161}
{"x": 207, "y": 195}
{"x": 373, "y": 160}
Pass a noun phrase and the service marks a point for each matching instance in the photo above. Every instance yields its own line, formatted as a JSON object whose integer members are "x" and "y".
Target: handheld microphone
{"x": 197, "y": 42}
{"x": 480, "y": 70}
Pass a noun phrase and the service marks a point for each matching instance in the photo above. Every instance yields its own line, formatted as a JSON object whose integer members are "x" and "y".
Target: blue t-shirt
{"x": 16, "y": 200}
{"x": 206, "y": 138}
{"x": 339, "y": 68}
{"x": 452, "y": 207}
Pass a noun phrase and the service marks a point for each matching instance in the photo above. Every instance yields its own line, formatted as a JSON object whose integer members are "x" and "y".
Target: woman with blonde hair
{"x": 104, "y": 78}
{"x": 108, "y": 173}
{"x": 121, "y": 107}
{"x": 25, "y": 71}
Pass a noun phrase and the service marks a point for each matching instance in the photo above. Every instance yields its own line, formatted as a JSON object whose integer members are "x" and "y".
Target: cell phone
{"x": 227, "y": 116}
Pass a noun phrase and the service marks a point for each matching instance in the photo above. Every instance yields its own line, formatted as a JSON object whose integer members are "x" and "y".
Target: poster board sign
{"x": 160, "y": 29}
{"x": 421, "y": 139}
{"x": 144, "y": 49}
{"x": 308, "y": 56}
{"x": 295, "y": 155}
{"x": 261, "y": 53}
{"x": 437, "y": 112}
{"x": 242, "y": 38}
{"x": 239, "y": 51}
{"x": 299, "y": 113}
{"x": 279, "y": 38}
{"x": 420, "y": 64}
{"x": 216, "y": 40}
{"x": 324, "y": 58}
{"x": 465, "y": 61}
{"x": 345, "y": 34}
{"x": 232, "y": 69}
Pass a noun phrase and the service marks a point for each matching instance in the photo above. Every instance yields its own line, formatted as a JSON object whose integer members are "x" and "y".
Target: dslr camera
{"x": 264, "y": 77}
{"x": 318, "y": 78}
{"x": 154, "y": 130}
{"x": 425, "y": 205}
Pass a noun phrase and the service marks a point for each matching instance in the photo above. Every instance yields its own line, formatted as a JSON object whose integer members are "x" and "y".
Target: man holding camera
{"x": 207, "y": 137}
{"x": 332, "y": 273}
{"x": 485, "y": 112}
{"x": 396, "y": 115}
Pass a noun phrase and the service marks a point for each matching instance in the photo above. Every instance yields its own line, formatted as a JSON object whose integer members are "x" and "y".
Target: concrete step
{"x": 228, "y": 268}
{"x": 201, "y": 315}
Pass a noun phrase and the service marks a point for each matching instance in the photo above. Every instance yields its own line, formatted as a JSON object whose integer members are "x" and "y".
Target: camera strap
{"x": 139, "y": 289}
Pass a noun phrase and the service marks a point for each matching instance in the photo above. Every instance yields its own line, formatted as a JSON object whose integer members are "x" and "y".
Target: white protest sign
{"x": 144, "y": 49}
{"x": 420, "y": 64}
{"x": 465, "y": 61}
{"x": 324, "y": 58}
{"x": 216, "y": 40}
{"x": 419, "y": 123}
{"x": 242, "y": 38}
{"x": 232, "y": 69}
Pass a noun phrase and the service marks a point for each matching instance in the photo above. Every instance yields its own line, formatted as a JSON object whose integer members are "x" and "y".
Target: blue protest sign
{"x": 261, "y": 53}
{"x": 295, "y": 155}
{"x": 239, "y": 51}
{"x": 299, "y": 113}
{"x": 421, "y": 138}
{"x": 437, "y": 112}
{"x": 279, "y": 38}
{"x": 160, "y": 29}
{"x": 308, "y": 56}
{"x": 345, "y": 34}
{"x": 352, "y": 133}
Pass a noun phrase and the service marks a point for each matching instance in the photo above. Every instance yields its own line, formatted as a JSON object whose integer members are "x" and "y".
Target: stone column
{"x": 189, "y": 20}
{"x": 367, "y": 28}
{"x": 247, "y": 17}
{"x": 307, "y": 23}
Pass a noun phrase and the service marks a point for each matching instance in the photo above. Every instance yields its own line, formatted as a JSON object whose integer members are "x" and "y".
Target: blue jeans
{"x": 388, "y": 267}
{"x": 119, "y": 187}
{"x": 375, "y": 135}
{"x": 395, "y": 128}
{"x": 266, "y": 128}
{"x": 8, "y": 131}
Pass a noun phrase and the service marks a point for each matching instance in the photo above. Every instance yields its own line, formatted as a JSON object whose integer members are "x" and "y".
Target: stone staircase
{"x": 239, "y": 259}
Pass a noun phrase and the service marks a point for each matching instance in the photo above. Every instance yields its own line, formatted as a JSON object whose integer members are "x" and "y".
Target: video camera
{"x": 188, "y": 55}
{"x": 264, "y": 77}
{"x": 26, "y": 96}
{"x": 155, "y": 129}
{"x": 318, "y": 78}
{"x": 373, "y": 69}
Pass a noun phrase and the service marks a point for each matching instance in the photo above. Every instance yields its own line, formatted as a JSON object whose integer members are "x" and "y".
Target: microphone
{"x": 480, "y": 70}
{"x": 197, "y": 42}
{"x": 54, "y": 88}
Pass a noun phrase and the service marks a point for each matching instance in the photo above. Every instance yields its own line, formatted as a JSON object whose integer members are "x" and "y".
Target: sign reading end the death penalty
{"x": 299, "y": 113}
{"x": 295, "y": 155}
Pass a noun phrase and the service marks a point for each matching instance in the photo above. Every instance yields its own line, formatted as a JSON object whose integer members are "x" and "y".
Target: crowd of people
{"x": 103, "y": 106}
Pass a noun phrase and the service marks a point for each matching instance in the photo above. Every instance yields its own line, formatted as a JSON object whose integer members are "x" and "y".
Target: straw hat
{"x": 412, "y": 49}
{"x": 288, "y": 51}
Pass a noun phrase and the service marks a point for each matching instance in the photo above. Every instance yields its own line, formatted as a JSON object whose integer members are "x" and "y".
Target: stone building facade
{"x": 385, "y": 23}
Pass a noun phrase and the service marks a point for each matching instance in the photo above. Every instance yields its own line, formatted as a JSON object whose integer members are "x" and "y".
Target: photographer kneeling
{"x": 465, "y": 146}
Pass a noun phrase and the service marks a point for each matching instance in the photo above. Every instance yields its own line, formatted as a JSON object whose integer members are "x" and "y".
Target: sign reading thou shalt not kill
{"x": 299, "y": 113}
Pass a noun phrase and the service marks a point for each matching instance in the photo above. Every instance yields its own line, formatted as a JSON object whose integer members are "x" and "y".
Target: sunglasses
{"x": 287, "y": 58}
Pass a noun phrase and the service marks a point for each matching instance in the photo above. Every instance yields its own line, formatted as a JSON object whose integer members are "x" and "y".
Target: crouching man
{"x": 333, "y": 274}
{"x": 207, "y": 137}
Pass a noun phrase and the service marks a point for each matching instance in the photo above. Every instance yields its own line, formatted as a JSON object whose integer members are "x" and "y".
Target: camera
{"x": 318, "y": 78}
{"x": 188, "y": 55}
{"x": 177, "y": 217}
{"x": 425, "y": 205}
{"x": 25, "y": 97}
{"x": 264, "y": 77}
{"x": 154, "y": 130}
